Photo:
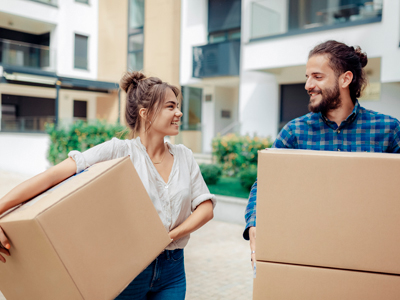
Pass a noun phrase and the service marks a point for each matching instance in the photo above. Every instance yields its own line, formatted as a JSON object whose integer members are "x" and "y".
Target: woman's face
{"x": 167, "y": 120}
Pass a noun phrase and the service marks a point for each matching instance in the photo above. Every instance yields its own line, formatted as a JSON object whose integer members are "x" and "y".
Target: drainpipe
{"x": 58, "y": 86}
{"x": 119, "y": 106}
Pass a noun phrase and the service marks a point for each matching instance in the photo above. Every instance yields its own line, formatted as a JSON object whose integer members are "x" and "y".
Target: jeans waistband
{"x": 167, "y": 254}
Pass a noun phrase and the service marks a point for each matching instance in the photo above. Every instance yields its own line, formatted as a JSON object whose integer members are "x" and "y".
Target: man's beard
{"x": 330, "y": 100}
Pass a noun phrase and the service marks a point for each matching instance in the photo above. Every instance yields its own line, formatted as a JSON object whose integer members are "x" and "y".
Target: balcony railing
{"x": 25, "y": 124}
{"x": 269, "y": 19}
{"x": 49, "y": 2}
{"x": 219, "y": 59}
{"x": 22, "y": 54}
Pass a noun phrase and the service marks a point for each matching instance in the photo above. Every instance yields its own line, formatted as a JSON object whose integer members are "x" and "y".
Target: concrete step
{"x": 230, "y": 209}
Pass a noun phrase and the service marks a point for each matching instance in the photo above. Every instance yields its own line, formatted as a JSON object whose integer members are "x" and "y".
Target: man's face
{"x": 322, "y": 85}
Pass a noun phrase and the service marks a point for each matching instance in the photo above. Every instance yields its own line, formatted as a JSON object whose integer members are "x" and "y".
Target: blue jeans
{"x": 163, "y": 279}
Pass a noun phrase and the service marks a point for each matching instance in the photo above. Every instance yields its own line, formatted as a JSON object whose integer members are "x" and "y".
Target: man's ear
{"x": 346, "y": 79}
{"x": 143, "y": 113}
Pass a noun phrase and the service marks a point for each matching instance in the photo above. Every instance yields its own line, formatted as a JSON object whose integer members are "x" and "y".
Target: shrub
{"x": 211, "y": 173}
{"x": 80, "y": 136}
{"x": 236, "y": 153}
{"x": 248, "y": 176}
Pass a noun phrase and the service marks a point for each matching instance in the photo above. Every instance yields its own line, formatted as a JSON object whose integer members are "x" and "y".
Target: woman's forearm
{"x": 202, "y": 214}
{"x": 37, "y": 184}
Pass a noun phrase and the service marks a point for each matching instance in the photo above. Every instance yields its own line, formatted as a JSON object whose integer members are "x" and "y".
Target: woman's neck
{"x": 154, "y": 144}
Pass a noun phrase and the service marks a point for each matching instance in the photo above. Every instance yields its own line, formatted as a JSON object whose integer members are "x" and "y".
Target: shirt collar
{"x": 352, "y": 116}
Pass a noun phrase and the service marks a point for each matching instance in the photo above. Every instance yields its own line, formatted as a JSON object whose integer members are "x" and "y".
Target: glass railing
{"x": 49, "y": 2}
{"x": 25, "y": 124}
{"x": 272, "y": 17}
{"x": 22, "y": 54}
{"x": 219, "y": 59}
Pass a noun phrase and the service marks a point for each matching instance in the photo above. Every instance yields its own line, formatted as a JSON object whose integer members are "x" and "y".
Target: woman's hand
{"x": 29, "y": 189}
{"x": 5, "y": 245}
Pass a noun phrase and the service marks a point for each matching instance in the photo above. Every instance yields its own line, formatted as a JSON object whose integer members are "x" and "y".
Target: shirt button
{"x": 338, "y": 131}
{"x": 166, "y": 186}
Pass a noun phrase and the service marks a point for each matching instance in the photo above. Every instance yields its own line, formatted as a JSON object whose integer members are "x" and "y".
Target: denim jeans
{"x": 163, "y": 279}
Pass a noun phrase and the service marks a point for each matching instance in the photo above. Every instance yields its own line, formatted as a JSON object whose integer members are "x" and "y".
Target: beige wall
{"x": 107, "y": 107}
{"x": 112, "y": 52}
{"x": 162, "y": 39}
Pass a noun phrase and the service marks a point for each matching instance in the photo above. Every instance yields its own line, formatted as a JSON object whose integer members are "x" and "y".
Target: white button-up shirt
{"x": 174, "y": 200}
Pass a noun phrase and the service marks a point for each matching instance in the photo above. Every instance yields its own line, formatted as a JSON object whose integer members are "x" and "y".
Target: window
{"x": 82, "y": 1}
{"x": 224, "y": 20}
{"x": 191, "y": 108}
{"x": 81, "y": 52}
{"x": 135, "y": 35}
{"x": 80, "y": 110}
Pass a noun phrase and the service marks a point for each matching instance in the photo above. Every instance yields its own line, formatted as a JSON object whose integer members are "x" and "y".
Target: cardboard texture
{"x": 329, "y": 209}
{"x": 280, "y": 281}
{"x": 87, "y": 238}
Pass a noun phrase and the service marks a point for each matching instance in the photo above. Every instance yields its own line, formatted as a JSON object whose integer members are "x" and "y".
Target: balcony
{"x": 22, "y": 54}
{"x": 271, "y": 19}
{"x": 49, "y": 2}
{"x": 219, "y": 59}
{"x": 25, "y": 124}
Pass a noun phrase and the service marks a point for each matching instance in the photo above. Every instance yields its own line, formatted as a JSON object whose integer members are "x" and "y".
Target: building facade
{"x": 275, "y": 37}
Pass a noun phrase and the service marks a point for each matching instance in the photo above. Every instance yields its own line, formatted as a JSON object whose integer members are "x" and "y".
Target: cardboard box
{"x": 289, "y": 282}
{"x": 329, "y": 209}
{"x": 87, "y": 238}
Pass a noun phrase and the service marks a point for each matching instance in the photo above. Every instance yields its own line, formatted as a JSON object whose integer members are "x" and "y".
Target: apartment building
{"x": 258, "y": 87}
{"x": 61, "y": 60}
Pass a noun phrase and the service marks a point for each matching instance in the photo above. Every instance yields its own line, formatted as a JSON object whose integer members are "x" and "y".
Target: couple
{"x": 336, "y": 122}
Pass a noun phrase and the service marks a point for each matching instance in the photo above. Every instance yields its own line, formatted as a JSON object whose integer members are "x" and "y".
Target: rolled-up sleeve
{"x": 199, "y": 189}
{"x": 111, "y": 149}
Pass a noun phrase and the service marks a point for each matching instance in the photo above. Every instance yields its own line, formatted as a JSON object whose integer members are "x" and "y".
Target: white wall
{"x": 194, "y": 20}
{"x": 226, "y": 99}
{"x": 208, "y": 119}
{"x": 258, "y": 105}
{"x": 27, "y": 154}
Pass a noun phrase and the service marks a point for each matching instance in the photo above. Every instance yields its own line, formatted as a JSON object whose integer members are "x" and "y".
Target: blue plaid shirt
{"x": 363, "y": 131}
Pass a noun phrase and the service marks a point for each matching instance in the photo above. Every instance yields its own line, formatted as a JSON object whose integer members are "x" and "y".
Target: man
{"x": 336, "y": 122}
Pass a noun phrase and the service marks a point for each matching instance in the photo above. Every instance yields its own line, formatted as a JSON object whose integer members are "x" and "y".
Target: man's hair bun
{"x": 131, "y": 80}
{"x": 362, "y": 55}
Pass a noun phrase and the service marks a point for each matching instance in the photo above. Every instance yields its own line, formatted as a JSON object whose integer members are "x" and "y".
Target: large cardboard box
{"x": 289, "y": 282}
{"x": 329, "y": 209}
{"x": 87, "y": 238}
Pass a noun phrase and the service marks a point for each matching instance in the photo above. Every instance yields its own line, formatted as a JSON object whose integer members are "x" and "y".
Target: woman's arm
{"x": 202, "y": 214}
{"x": 32, "y": 187}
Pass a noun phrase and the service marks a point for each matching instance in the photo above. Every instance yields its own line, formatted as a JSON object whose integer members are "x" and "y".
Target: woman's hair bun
{"x": 131, "y": 80}
{"x": 362, "y": 55}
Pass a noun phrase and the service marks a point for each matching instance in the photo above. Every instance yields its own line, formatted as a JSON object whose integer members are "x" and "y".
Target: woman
{"x": 169, "y": 173}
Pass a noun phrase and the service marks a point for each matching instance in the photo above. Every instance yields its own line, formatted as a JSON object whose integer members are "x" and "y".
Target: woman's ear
{"x": 347, "y": 78}
{"x": 143, "y": 113}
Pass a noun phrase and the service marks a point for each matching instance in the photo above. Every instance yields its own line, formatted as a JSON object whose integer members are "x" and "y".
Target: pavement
{"x": 217, "y": 259}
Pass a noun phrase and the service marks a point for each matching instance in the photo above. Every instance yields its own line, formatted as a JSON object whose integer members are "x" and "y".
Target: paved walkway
{"x": 217, "y": 259}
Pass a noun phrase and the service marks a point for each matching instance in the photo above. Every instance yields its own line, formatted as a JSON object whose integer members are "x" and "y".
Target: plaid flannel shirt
{"x": 362, "y": 131}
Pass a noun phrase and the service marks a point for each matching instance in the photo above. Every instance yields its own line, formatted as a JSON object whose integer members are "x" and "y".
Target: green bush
{"x": 248, "y": 176}
{"x": 211, "y": 173}
{"x": 80, "y": 136}
{"x": 236, "y": 153}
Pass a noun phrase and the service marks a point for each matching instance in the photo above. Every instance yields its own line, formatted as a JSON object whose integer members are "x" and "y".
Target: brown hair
{"x": 144, "y": 92}
{"x": 343, "y": 58}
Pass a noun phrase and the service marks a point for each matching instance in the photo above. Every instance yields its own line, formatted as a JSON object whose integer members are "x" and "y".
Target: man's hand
{"x": 252, "y": 235}
{"x": 5, "y": 245}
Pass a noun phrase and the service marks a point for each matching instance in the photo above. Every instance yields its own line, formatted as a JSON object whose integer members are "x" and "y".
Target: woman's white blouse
{"x": 174, "y": 200}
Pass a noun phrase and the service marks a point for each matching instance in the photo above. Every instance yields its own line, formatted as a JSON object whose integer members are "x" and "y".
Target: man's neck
{"x": 340, "y": 114}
